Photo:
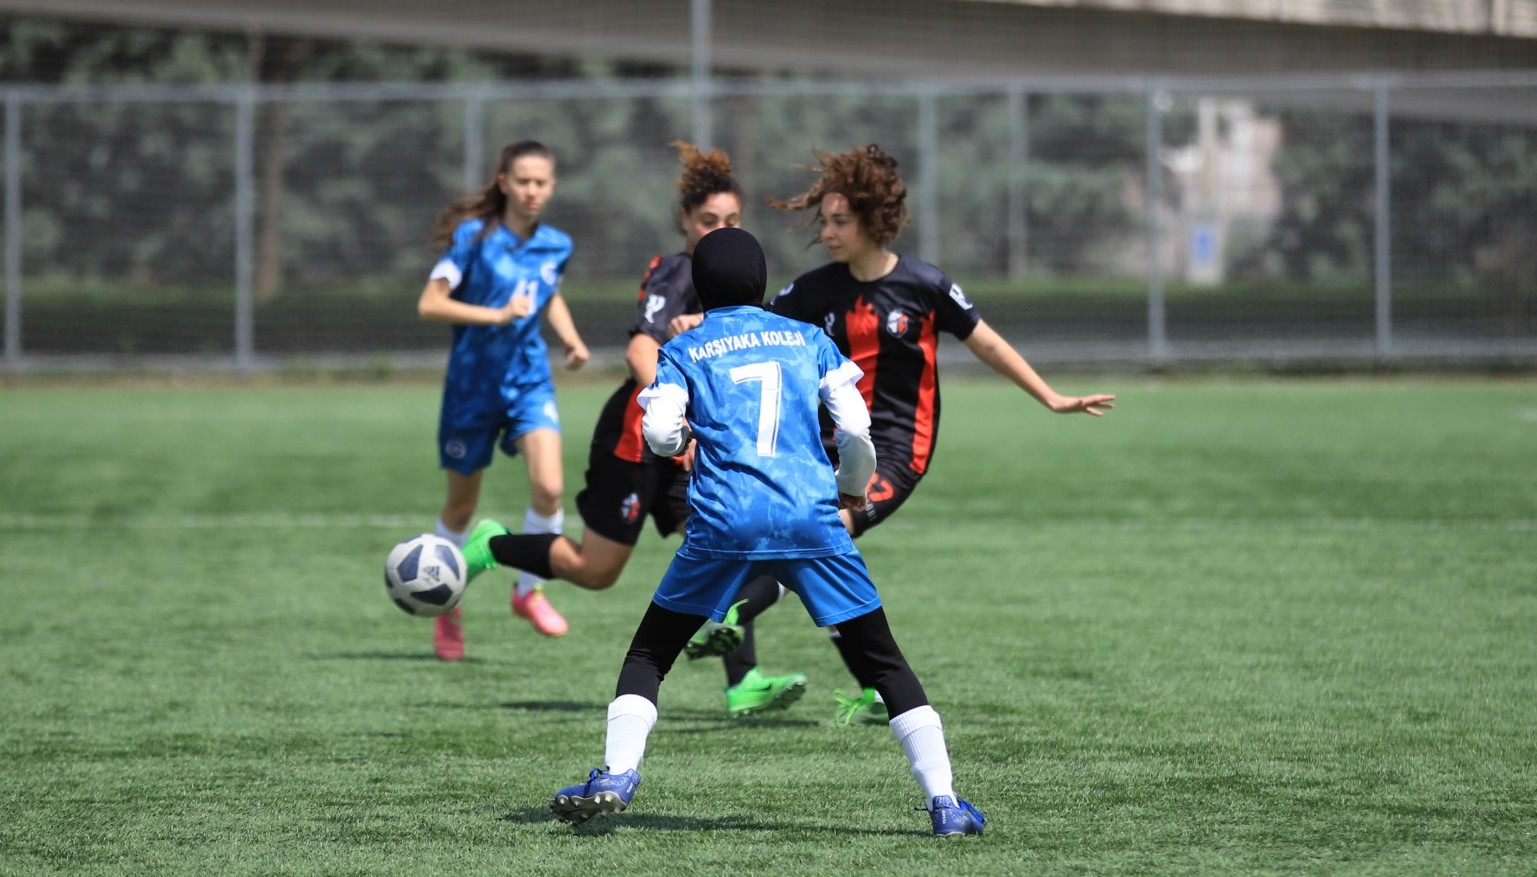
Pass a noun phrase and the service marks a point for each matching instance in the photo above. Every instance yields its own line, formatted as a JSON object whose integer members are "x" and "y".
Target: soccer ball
{"x": 424, "y": 575}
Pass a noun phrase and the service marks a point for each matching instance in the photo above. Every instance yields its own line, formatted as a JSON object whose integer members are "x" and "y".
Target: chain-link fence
{"x": 1092, "y": 220}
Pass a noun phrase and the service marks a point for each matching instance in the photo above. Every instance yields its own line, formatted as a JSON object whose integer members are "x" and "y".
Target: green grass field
{"x": 1237, "y": 627}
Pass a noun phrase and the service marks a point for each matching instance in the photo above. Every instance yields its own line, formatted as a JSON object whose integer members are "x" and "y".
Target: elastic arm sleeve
{"x": 856, "y": 453}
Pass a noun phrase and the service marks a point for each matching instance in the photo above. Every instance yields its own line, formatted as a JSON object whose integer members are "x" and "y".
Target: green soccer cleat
{"x": 716, "y": 639}
{"x": 477, "y": 548}
{"x": 864, "y": 709}
{"x": 757, "y": 693}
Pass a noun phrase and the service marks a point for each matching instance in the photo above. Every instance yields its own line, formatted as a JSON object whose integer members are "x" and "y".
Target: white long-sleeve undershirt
{"x": 851, "y": 433}
{"x": 663, "y": 425}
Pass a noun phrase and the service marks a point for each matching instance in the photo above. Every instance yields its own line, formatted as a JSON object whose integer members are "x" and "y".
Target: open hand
{"x": 1096, "y": 405}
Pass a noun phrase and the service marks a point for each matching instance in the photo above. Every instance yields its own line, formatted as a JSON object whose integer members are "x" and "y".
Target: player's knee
{"x": 598, "y": 578}
{"x": 602, "y": 581}
{"x": 580, "y": 570}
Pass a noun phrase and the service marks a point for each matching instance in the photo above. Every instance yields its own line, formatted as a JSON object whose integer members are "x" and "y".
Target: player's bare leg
{"x": 453, "y": 522}
{"x": 594, "y": 563}
{"x": 540, "y": 449}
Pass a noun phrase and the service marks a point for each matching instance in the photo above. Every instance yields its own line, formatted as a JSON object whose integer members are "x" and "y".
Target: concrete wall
{"x": 917, "y": 38}
{"x": 1496, "y": 17}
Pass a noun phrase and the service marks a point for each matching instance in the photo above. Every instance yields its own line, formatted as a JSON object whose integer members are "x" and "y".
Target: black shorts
{"x": 890, "y": 486}
{"x": 619, "y": 495}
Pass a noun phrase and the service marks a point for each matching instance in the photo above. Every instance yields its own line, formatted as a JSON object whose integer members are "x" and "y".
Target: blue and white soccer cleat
{"x": 602, "y": 793}
{"x": 955, "y": 818}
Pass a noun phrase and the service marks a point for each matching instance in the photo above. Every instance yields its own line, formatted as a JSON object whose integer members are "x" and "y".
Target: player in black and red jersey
{"x": 886, "y": 312}
{"x": 625, "y": 482}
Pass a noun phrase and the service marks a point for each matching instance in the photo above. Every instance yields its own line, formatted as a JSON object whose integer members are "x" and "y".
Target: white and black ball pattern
{"x": 424, "y": 575}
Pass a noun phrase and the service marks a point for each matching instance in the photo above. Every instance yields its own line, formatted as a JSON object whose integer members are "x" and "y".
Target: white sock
{"x": 923, "y": 742}
{"x": 533, "y": 522}
{"x": 630, "y": 719}
{"x": 455, "y": 536}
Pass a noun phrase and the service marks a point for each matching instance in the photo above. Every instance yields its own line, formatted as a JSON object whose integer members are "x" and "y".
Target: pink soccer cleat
{"x": 448, "y": 636}
{"x": 540, "y": 613}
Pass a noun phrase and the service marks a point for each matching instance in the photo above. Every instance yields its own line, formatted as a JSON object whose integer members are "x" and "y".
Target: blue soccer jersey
{"x": 491, "y": 367}
{"x": 762, "y": 486}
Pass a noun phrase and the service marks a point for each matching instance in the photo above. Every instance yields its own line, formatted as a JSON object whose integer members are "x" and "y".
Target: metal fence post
{"x": 1383, "y": 226}
{"x": 474, "y": 140}
{"x": 928, "y": 176}
{"x": 699, "y": 30}
{"x": 1157, "y": 339}
{"x": 1019, "y": 154}
{"x": 245, "y": 200}
{"x": 12, "y": 231}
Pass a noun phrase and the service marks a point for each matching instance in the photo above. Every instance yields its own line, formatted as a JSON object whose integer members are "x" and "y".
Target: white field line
{"x": 419, "y": 522}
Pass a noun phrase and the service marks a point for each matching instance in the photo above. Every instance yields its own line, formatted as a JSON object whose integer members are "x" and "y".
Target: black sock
{"x": 658, "y": 640}
{"x": 875, "y": 656}
{"x": 852, "y": 660}
{"x": 529, "y": 552}
{"x": 760, "y": 593}
{"x": 745, "y": 659}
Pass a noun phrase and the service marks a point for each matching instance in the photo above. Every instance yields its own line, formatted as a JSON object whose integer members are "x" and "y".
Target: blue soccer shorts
{"x": 833, "y": 589}
{"x": 466, "y": 442}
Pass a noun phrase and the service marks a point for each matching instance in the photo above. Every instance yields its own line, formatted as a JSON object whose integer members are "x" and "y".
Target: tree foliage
{"x": 1463, "y": 203}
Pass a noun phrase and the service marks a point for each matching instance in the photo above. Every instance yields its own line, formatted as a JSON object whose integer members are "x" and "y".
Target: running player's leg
{"x": 889, "y": 488}
{"x": 914, "y": 722}
{"x": 594, "y": 563}
{"x": 612, "y": 503}
{"x": 838, "y": 589}
{"x": 631, "y": 716}
{"x": 690, "y": 591}
{"x": 541, "y": 451}
{"x": 464, "y": 452}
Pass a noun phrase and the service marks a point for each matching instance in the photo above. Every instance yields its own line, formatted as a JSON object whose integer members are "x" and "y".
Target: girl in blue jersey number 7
{"x": 747, "y": 384}
{"x": 501, "y": 268}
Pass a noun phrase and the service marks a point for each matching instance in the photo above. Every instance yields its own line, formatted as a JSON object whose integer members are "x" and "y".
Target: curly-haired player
{"x": 885, "y": 311}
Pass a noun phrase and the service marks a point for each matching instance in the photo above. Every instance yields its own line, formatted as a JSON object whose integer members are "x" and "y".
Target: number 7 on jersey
{"x": 767, "y": 375}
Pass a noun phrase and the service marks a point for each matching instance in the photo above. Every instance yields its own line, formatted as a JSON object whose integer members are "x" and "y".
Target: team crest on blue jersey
{"x": 455, "y": 449}
{"x": 629, "y": 510}
{"x": 896, "y": 323}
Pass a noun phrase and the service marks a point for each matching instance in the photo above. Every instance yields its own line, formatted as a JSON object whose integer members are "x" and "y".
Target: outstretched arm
{"x": 988, "y": 346}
